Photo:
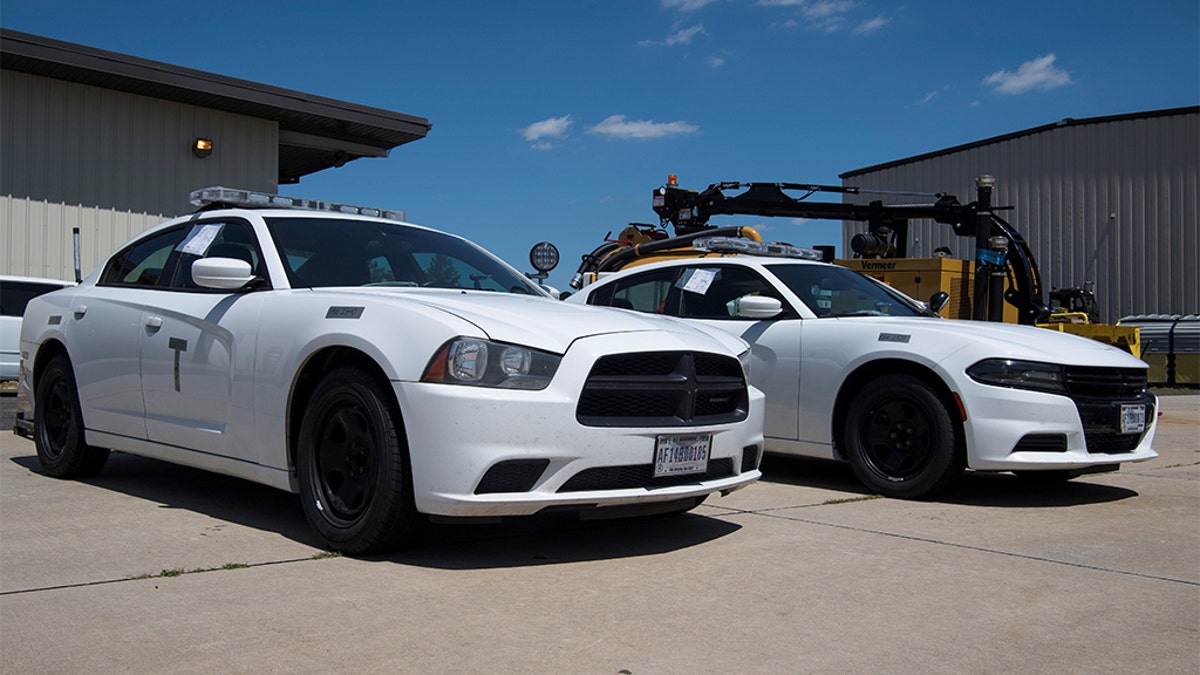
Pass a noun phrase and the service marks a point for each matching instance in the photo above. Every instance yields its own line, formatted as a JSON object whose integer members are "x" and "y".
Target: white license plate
{"x": 676, "y": 454}
{"x": 1133, "y": 418}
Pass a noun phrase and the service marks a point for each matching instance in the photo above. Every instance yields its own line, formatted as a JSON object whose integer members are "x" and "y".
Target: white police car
{"x": 854, "y": 370}
{"x": 379, "y": 369}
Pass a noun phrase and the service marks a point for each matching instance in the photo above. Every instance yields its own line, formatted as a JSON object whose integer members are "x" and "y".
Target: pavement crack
{"x": 165, "y": 574}
{"x": 772, "y": 513}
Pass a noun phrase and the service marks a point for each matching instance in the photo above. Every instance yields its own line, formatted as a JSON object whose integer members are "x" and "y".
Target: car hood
{"x": 549, "y": 324}
{"x": 995, "y": 340}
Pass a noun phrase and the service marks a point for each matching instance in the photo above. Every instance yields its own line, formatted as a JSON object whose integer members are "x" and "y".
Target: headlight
{"x": 484, "y": 363}
{"x": 1020, "y": 375}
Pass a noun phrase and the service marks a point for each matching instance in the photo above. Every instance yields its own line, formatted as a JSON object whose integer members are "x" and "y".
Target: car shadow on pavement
{"x": 808, "y": 472}
{"x": 527, "y": 541}
{"x": 985, "y": 488}
{"x": 173, "y": 486}
{"x": 558, "y": 539}
{"x": 977, "y": 488}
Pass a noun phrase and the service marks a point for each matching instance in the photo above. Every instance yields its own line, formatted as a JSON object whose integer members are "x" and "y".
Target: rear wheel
{"x": 901, "y": 438}
{"x": 58, "y": 431}
{"x": 353, "y": 467}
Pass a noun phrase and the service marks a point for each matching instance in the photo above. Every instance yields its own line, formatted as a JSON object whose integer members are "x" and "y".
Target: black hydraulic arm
{"x": 688, "y": 212}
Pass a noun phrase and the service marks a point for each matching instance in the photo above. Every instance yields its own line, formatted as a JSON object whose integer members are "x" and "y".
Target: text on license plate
{"x": 1133, "y": 418}
{"x": 676, "y": 454}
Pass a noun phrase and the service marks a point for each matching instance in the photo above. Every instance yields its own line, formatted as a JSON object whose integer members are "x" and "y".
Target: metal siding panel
{"x": 73, "y": 143}
{"x": 38, "y": 236}
{"x": 112, "y": 164}
{"x": 1065, "y": 182}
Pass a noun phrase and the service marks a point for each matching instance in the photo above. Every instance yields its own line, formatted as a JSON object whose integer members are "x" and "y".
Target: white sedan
{"x": 856, "y": 371}
{"x": 380, "y": 370}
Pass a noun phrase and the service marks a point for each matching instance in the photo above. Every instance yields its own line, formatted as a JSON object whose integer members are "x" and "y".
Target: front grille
{"x": 641, "y": 476}
{"x": 516, "y": 475}
{"x": 750, "y": 458}
{"x": 663, "y": 389}
{"x": 1042, "y": 443}
{"x": 1112, "y": 444}
{"x": 1098, "y": 394}
{"x": 1090, "y": 382}
{"x": 1101, "y": 417}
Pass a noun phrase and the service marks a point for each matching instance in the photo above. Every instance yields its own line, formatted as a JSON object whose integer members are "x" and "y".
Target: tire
{"x": 902, "y": 439}
{"x": 352, "y": 463}
{"x": 58, "y": 431}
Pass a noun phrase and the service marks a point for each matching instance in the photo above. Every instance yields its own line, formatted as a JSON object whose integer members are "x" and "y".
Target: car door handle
{"x": 79, "y": 311}
{"x": 154, "y": 322}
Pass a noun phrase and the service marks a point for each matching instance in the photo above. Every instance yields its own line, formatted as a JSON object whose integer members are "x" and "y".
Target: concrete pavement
{"x": 151, "y": 567}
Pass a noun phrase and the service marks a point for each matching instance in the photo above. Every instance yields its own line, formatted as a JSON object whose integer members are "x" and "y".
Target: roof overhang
{"x": 315, "y": 132}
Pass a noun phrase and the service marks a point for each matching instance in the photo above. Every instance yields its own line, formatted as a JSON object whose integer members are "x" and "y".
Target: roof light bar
{"x": 735, "y": 245}
{"x": 250, "y": 198}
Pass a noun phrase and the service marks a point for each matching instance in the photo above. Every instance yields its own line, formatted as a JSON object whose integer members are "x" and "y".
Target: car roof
{"x": 723, "y": 258}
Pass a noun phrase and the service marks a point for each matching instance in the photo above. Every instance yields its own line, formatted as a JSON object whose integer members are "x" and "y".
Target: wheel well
{"x": 867, "y": 372}
{"x": 46, "y": 352}
{"x": 310, "y": 376}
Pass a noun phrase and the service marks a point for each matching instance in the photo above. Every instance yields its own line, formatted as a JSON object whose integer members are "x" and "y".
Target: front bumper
{"x": 456, "y": 434}
{"x": 1018, "y": 430}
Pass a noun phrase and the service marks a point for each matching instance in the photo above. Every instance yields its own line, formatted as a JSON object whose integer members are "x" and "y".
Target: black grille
{"x": 663, "y": 389}
{"x": 1105, "y": 382}
{"x": 750, "y": 458}
{"x": 641, "y": 476}
{"x": 1042, "y": 443}
{"x": 1101, "y": 418}
{"x": 517, "y": 475}
{"x": 1112, "y": 444}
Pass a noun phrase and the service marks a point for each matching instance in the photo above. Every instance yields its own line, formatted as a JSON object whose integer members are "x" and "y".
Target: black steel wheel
{"x": 901, "y": 438}
{"x": 352, "y": 465}
{"x": 58, "y": 431}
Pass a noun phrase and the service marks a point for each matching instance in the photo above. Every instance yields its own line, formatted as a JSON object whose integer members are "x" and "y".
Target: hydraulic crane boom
{"x": 1000, "y": 250}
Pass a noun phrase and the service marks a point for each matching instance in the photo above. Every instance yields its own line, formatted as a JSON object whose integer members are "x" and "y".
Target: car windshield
{"x": 831, "y": 291}
{"x": 319, "y": 252}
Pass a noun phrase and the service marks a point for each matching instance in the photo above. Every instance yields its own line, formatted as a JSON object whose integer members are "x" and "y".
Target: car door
{"x": 705, "y": 292}
{"x": 104, "y": 327}
{"x": 197, "y": 350}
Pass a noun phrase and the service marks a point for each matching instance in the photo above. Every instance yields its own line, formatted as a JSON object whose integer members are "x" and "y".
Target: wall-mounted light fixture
{"x": 202, "y": 147}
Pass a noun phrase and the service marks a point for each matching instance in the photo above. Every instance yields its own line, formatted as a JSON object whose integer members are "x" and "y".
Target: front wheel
{"x": 58, "y": 431}
{"x": 352, "y": 465}
{"x": 901, "y": 439}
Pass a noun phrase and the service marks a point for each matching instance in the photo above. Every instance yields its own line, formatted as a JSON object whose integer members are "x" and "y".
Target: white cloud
{"x": 1039, "y": 73}
{"x": 871, "y": 25}
{"x": 825, "y": 9}
{"x": 682, "y": 36}
{"x": 554, "y": 127}
{"x": 686, "y": 5}
{"x": 715, "y": 61}
{"x": 927, "y": 98}
{"x": 616, "y": 126}
{"x": 824, "y": 15}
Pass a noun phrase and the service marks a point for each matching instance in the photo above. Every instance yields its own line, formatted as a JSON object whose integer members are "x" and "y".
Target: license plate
{"x": 1133, "y": 418}
{"x": 677, "y": 454}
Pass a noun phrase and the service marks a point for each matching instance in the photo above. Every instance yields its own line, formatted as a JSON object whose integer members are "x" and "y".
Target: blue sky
{"x": 556, "y": 120}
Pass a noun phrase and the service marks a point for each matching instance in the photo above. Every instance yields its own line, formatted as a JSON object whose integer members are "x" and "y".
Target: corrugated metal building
{"x": 1109, "y": 202}
{"x": 103, "y": 142}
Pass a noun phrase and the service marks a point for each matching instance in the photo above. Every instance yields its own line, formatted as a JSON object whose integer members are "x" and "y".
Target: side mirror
{"x": 938, "y": 301}
{"x": 755, "y": 307}
{"x": 224, "y": 273}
